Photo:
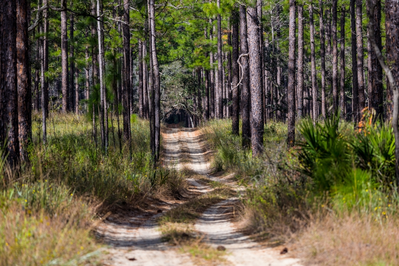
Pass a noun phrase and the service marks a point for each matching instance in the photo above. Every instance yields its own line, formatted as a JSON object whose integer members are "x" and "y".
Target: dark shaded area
{"x": 179, "y": 117}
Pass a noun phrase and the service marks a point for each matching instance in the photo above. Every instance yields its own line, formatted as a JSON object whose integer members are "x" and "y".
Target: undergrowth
{"x": 50, "y": 206}
{"x": 332, "y": 197}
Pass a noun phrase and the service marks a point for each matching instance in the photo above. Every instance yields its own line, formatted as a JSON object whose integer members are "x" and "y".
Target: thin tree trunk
{"x": 219, "y": 88}
{"x": 245, "y": 89}
{"x": 140, "y": 88}
{"x": 235, "y": 74}
{"x": 355, "y": 90}
{"x": 44, "y": 69}
{"x": 23, "y": 82}
{"x": 313, "y": 65}
{"x": 300, "y": 62}
{"x": 212, "y": 77}
{"x": 64, "y": 56}
{"x": 323, "y": 61}
{"x": 342, "y": 77}
{"x": 199, "y": 94}
{"x": 87, "y": 76}
{"x": 76, "y": 75}
{"x": 291, "y": 76}
{"x": 126, "y": 74}
{"x": 72, "y": 100}
{"x": 257, "y": 125}
{"x": 335, "y": 56}
{"x": 359, "y": 43}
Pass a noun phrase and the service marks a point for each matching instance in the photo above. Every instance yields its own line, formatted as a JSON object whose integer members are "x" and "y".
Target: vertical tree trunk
{"x": 315, "y": 111}
{"x": 199, "y": 92}
{"x": 245, "y": 90}
{"x": 257, "y": 126}
{"x": 323, "y": 61}
{"x": 76, "y": 75}
{"x": 335, "y": 57}
{"x": 126, "y": 69}
{"x": 64, "y": 56}
{"x": 146, "y": 100}
{"x": 103, "y": 97}
{"x": 72, "y": 100}
{"x": 156, "y": 84}
{"x": 23, "y": 82}
{"x": 44, "y": 69}
{"x": 355, "y": 90}
{"x": 235, "y": 74}
{"x": 219, "y": 90}
{"x": 140, "y": 88}
{"x": 376, "y": 100}
{"x": 259, "y": 4}
{"x": 300, "y": 62}
{"x": 291, "y": 76}
{"x": 212, "y": 76}
{"x": 342, "y": 77}
{"x": 359, "y": 43}
{"x": 87, "y": 77}
{"x": 9, "y": 82}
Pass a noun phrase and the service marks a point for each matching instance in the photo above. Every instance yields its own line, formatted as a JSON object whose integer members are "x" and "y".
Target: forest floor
{"x": 200, "y": 226}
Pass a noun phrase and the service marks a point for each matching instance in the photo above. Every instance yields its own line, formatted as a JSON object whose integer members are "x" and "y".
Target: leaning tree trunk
{"x": 126, "y": 74}
{"x": 245, "y": 90}
{"x": 257, "y": 126}
{"x": 156, "y": 84}
{"x": 235, "y": 74}
{"x": 323, "y": 61}
{"x": 219, "y": 87}
{"x": 64, "y": 57}
{"x": 300, "y": 63}
{"x": 359, "y": 43}
{"x": 313, "y": 65}
{"x": 23, "y": 82}
{"x": 9, "y": 82}
{"x": 291, "y": 76}
{"x": 342, "y": 77}
{"x": 335, "y": 57}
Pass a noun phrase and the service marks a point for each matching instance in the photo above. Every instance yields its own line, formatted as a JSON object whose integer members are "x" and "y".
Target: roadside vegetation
{"x": 50, "y": 207}
{"x": 331, "y": 199}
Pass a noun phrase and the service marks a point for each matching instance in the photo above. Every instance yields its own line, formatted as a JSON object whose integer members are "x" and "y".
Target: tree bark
{"x": 300, "y": 63}
{"x": 126, "y": 69}
{"x": 212, "y": 77}
{"x": 315, "y": 110}
{"x": 64, "y": 57}
{"x": 23, "y": 82}
{"x": 140, "y": 88}
{"x": 71, "y": 93}
{"x": 323, "y": 61}
{"x": 245, "y": 90}
{"x": 257, "y": 125}
{"x": 335, "y": 57}
{"x": 355, "y": 89}
{"x": 219, "y": 87}
{"x": 359, "y": 44}
{"x": 235, "y": 74}
{"x": 9, "y": 81}
{"x": 342, "y": 72}
{"x": 291, "y": 76}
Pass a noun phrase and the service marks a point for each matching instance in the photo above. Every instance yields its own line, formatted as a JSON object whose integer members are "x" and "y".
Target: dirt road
{"x": 135, "y": 243}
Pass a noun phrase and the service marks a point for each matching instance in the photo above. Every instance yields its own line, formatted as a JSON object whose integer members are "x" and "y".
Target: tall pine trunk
{"x": 235, "y": 74}
{"x": 355, "y": 90}
{"x": 315, "y": 110}
{"x": 342, "y": 72}
{"x": 257, "y": 126}
{"x": 126, "y": 74}
{"x": 300, "y": 82}
{"x": 219, "y": 87}
{"x": 291, "y": 76}
{"x": 359, "y": 44}
{"x": 64, "y": 57}
{"x": 245, "y": 90}
{"x": 323, "y": 61}
{"x": 335, "y": 56}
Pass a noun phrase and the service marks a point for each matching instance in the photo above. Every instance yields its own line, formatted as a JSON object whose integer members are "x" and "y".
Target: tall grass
{"x": 332, "y": 197}
{"x": 48, "y": 207}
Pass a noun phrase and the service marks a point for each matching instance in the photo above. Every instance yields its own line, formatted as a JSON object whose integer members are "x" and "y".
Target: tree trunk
{"x": 23, "y": 82}
{"x": 219, "y": 87}
{"x": 315, "y": 110}
{"x": 87, "y": 76}
{"x": 323, "y": 61}
{"x": 64, "y": 57}
{"x": 300, "y": 63}
{"x": 126, "y": 74}
{"x": 235, "y": 75}
{"x": 71, "y": 93}
{"x": 359, "y": 44}
{"x": 355, "y": 89}
{"x": 335, "y": 57}
{"x": 146, "y": 99}
{"x": 376, "y": 93}
{"x": 212, "y": 77}
{"x": 342, "y": 80}
{"x": 257, "y": 126}
{"x": 44, "y": 69}
{"x": 245, "y": 90}
{"x": 76, "y": 75}
{"x": 103, "y": 97}
{"x": 140, "y": 88}
{"x": 199, "y": 98}
{"x": 9, "y": 82}
{"x": 291, "y": 76}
